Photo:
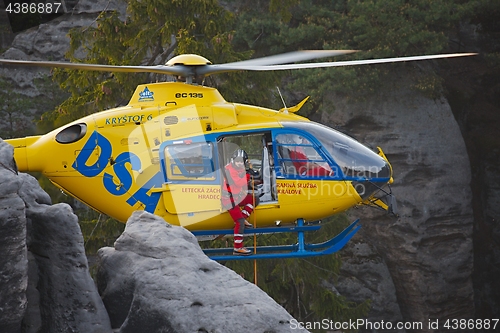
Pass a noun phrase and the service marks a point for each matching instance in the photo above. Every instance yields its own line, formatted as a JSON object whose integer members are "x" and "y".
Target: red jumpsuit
{"x": 236, "y": 199}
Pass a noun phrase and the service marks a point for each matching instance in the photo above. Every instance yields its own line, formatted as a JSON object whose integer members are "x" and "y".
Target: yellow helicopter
{"x": 164, "y": 151}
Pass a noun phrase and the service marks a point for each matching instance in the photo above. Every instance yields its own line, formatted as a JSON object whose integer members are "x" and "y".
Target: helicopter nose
{"x": 368, "y": 183}
{"x": 374, "y": 189}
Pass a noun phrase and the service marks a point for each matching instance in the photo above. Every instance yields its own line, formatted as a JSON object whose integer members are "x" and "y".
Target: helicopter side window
{"x": 297, "y": 157}
{"x": 355, "y": 160}
{"x": 188, "y": 160}
{"x": 250, "y": 143}
{"x": 72, "y": 133}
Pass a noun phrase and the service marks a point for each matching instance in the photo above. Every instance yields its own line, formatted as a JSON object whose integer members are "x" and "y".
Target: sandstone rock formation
{"x": 364, "y": 275}
{"x": 45, "y": 284}
{"x": 14, "y": 258}
{"x": 474, "y": 96}
{"x": 50, "y": 41}
{"x": 428, "y": 248}
{"x": 157, "y": 279}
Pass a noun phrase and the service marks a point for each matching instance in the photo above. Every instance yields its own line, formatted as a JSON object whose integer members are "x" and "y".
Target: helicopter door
{"x": 301, "y": 169}
{"x": 192, "y": 183}
{"x": 258, "y": 147}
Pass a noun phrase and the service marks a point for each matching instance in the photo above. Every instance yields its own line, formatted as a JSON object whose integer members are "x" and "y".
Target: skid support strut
{"x": 299, "y": 250}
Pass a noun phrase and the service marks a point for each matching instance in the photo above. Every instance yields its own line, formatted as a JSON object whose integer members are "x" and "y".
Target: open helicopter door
{"x": 258, "y": 146}
{"x": 306, "y": 177}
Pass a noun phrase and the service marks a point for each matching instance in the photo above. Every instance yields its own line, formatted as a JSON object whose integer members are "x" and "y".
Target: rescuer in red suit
{"x": 236, "y": 198}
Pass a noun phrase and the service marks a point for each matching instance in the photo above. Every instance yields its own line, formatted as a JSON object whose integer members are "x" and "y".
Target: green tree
{"x": 384, "y": 28}
{"x": 183, "y": 26}
{"x": 381, "y": 28}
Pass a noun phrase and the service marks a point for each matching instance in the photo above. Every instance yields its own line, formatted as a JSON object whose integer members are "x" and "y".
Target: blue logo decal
{"x": 122, "y": 176}
{"x": 146, "y": 95}
{"x": 95, "y": 140}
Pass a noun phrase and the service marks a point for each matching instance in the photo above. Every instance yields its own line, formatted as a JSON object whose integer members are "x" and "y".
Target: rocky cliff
{"x": 45, "y": 284}
{"x": 156, "y": 276}
{"x": 427, "y": 250}
{"x": 473, "y": 90}
{"x": 155, "y": 279}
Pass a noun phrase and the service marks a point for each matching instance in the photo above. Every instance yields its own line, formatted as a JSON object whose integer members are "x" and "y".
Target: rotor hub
{"x": 188, "y": 60}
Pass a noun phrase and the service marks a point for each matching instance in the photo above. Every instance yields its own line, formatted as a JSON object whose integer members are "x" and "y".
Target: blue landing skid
{"x": 299, "y": 250}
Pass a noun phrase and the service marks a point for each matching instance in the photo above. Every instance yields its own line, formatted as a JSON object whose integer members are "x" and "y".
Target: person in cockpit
{"x": 302, "y": 162}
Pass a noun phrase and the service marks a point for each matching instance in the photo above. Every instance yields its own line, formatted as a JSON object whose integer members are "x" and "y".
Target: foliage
{"x": 430, "y": 85}
{"x": 382, "y": 28}
{"x": 493, "y": 60}
{"x": 485, "y": 16}
{"x": 301, "y": 285}
{"x": 99, "y": 230}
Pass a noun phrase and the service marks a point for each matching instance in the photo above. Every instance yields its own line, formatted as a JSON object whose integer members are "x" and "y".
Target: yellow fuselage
{"x": 114, "y": 161}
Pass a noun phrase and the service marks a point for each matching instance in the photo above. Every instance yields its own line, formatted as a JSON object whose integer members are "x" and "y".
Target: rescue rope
{"x": 254, "y": 235}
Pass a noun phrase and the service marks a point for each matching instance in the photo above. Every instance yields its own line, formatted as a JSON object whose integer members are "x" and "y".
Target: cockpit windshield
{"x": 356, "y": 161}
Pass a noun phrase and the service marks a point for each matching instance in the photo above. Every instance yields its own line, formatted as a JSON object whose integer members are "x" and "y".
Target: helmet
{"x": 239, "y": 154}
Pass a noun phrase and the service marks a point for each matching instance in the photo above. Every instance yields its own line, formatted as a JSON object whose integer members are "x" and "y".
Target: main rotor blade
{"x": 228, "y": 68}
{"x": 278, "y": 59}
{"x": 290, "y": 57}
{"x": 160, "y": 69}
{"x": 248, "y": 65}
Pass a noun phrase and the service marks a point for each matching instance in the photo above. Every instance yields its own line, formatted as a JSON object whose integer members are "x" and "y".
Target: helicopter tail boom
{"x": 22, "y": 153}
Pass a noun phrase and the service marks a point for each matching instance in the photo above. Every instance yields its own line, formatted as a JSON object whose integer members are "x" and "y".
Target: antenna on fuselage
{"x": 285, "y": 109}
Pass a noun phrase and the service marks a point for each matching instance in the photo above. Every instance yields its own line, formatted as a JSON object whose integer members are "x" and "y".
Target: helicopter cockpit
{"x": 348, "y": 159}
